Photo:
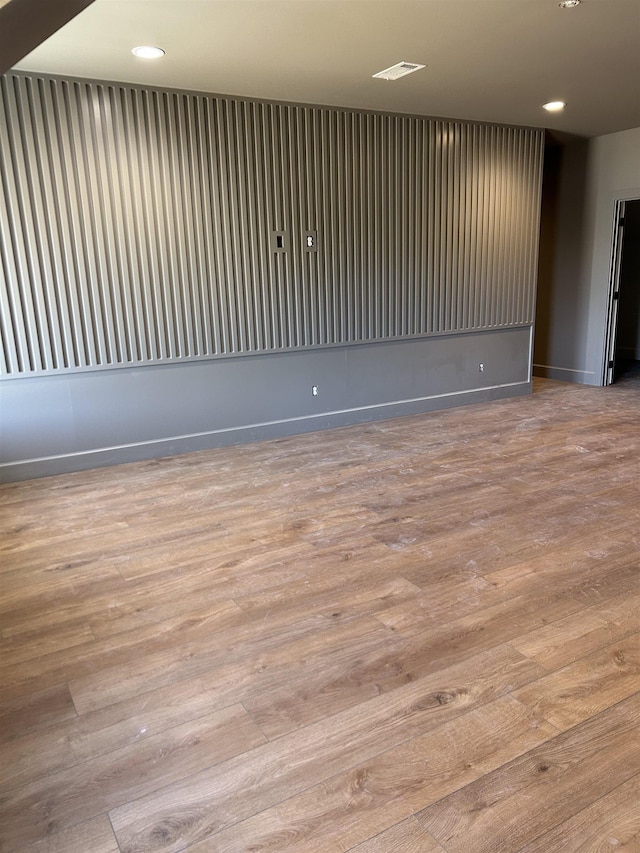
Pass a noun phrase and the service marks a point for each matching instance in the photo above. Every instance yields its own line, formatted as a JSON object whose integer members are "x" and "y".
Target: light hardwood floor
{"x": 415, "y": 635}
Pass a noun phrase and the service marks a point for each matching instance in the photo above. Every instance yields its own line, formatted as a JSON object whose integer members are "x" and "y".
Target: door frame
{"x": 615, "y": 264}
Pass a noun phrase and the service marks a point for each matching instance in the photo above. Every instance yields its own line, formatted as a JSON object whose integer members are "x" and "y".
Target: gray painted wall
{"x": 614, "y": 173}
{"x": 145, "y": 307}
{"x": 84, "y": 419}
{"x": 562, "y": 307}
{"x": 138, "y": 226}
{"x": 574, "y": 289}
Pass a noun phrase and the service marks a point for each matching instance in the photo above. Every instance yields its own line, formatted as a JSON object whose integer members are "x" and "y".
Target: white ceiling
{"x": 487, "y": 60}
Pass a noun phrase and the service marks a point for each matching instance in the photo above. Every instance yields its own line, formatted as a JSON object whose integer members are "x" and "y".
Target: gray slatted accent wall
{"x": 136, "y": 226}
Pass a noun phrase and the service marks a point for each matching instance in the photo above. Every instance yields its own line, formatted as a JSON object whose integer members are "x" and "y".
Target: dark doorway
{"x": 627, "y": 341}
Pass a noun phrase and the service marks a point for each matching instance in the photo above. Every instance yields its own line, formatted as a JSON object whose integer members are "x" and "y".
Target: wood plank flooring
{"x": 415, "y": 636}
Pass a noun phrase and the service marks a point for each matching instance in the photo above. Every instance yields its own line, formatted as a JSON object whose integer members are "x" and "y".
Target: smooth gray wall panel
{"x": 78, "y": 420}
{"x": 446, "y": 366}
{"x": 136, "y": 226}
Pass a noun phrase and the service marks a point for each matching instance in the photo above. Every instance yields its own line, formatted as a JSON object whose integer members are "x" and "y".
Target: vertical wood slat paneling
{"x": 136, "y": 226}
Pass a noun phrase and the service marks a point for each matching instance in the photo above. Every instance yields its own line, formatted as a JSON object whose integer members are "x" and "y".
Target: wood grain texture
{"x": 567, "y": 640}
{"x": 91, "y": 836}
{"x": 64, "y": 798}
{"x": 343, "y": 811}
{"x": 407, "y": 836}
{"x": 285, "y": 767}
{"x": 415, "y": 635}
{"x": 610, "y": 824}
{"x": 34, "y": 711}
{"x": 568, "y": 772}
{"x": 582, "y": 689}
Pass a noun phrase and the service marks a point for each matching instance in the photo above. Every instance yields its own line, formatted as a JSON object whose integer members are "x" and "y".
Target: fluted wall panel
{"x": 137, "y": 226}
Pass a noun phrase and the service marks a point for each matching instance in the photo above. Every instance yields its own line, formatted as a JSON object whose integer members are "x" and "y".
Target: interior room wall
{"x": 613, "y": 174}
{"x": 583, "y": 181}
{"x": 147, "y": 307}
{"x": 562, "y": 310}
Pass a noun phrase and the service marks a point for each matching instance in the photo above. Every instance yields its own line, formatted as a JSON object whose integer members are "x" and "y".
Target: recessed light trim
{"x": 400, "y": 69}
{"x": 569, "y": 4}
{"x": 147, "y": 51}
{"x": 554, "y": 106}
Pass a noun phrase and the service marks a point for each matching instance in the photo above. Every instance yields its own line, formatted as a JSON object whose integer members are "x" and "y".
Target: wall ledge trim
{"x": 228, "y": 356}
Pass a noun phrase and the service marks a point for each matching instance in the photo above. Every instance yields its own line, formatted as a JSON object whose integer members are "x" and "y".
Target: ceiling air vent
{"x": 398, "y": 70}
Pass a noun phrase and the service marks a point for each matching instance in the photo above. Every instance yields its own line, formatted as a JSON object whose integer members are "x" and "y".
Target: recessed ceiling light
{"x": 569, "y": 4}
{"x": 145, "y": 51}
{"x": 554, "y": 106}
{"x": 398, "y": 70}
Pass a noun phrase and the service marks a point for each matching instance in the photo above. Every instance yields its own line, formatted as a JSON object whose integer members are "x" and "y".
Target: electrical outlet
{"x": 278, "y": 241}
{"x": 481, "y": 367}
{"x": 314, "y": 390}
